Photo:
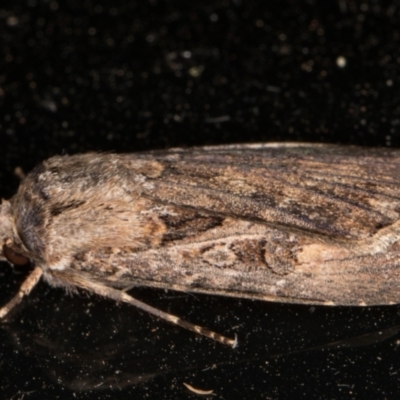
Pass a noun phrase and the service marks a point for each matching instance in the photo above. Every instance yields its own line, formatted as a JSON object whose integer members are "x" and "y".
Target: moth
{"x": 296, "y": 223}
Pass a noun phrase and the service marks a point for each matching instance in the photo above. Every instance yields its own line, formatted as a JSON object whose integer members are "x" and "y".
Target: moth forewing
{"x": 272, "y": 222}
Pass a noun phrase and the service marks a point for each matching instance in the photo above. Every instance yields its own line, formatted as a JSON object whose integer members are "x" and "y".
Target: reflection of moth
{"x": 298, "y": 223}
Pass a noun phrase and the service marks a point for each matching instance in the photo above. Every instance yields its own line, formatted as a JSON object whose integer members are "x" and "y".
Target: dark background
{"x": 79, "y": 76}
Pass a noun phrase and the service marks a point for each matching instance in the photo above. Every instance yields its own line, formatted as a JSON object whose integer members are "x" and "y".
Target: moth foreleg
{"x": 26, "y": 287}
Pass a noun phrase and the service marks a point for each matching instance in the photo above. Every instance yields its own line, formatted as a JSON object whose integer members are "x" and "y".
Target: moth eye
{"x": 13, "y": 257}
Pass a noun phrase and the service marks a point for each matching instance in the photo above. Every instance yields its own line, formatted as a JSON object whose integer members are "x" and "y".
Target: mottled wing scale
{"x": 328, "y": 190}
{"x": 291, "y": 224}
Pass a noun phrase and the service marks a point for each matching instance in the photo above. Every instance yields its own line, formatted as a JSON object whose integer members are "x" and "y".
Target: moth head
{"x": 8, "y": 235}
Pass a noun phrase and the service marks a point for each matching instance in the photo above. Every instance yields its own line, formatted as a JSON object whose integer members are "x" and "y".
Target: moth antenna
{"x": 126, "y": 298}
{"x": 118, "y": 295}
{"x": 29, "y": 283}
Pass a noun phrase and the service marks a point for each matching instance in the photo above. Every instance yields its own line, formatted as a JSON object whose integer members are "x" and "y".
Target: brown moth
{"x": 296, "y": 223}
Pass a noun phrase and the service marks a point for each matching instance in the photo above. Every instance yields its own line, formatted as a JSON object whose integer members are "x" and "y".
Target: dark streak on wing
{"x": 187, "y": 224}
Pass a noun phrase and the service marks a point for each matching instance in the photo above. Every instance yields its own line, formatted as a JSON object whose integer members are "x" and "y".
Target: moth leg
{"x": 121, "y": 296}
{"x": 26, "y": 287}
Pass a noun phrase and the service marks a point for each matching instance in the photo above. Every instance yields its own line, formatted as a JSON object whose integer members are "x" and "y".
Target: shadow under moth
{"x": 297, "y": 223}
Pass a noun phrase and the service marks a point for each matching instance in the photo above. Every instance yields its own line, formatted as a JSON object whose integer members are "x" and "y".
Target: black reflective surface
{"x": 81, "y": 76}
